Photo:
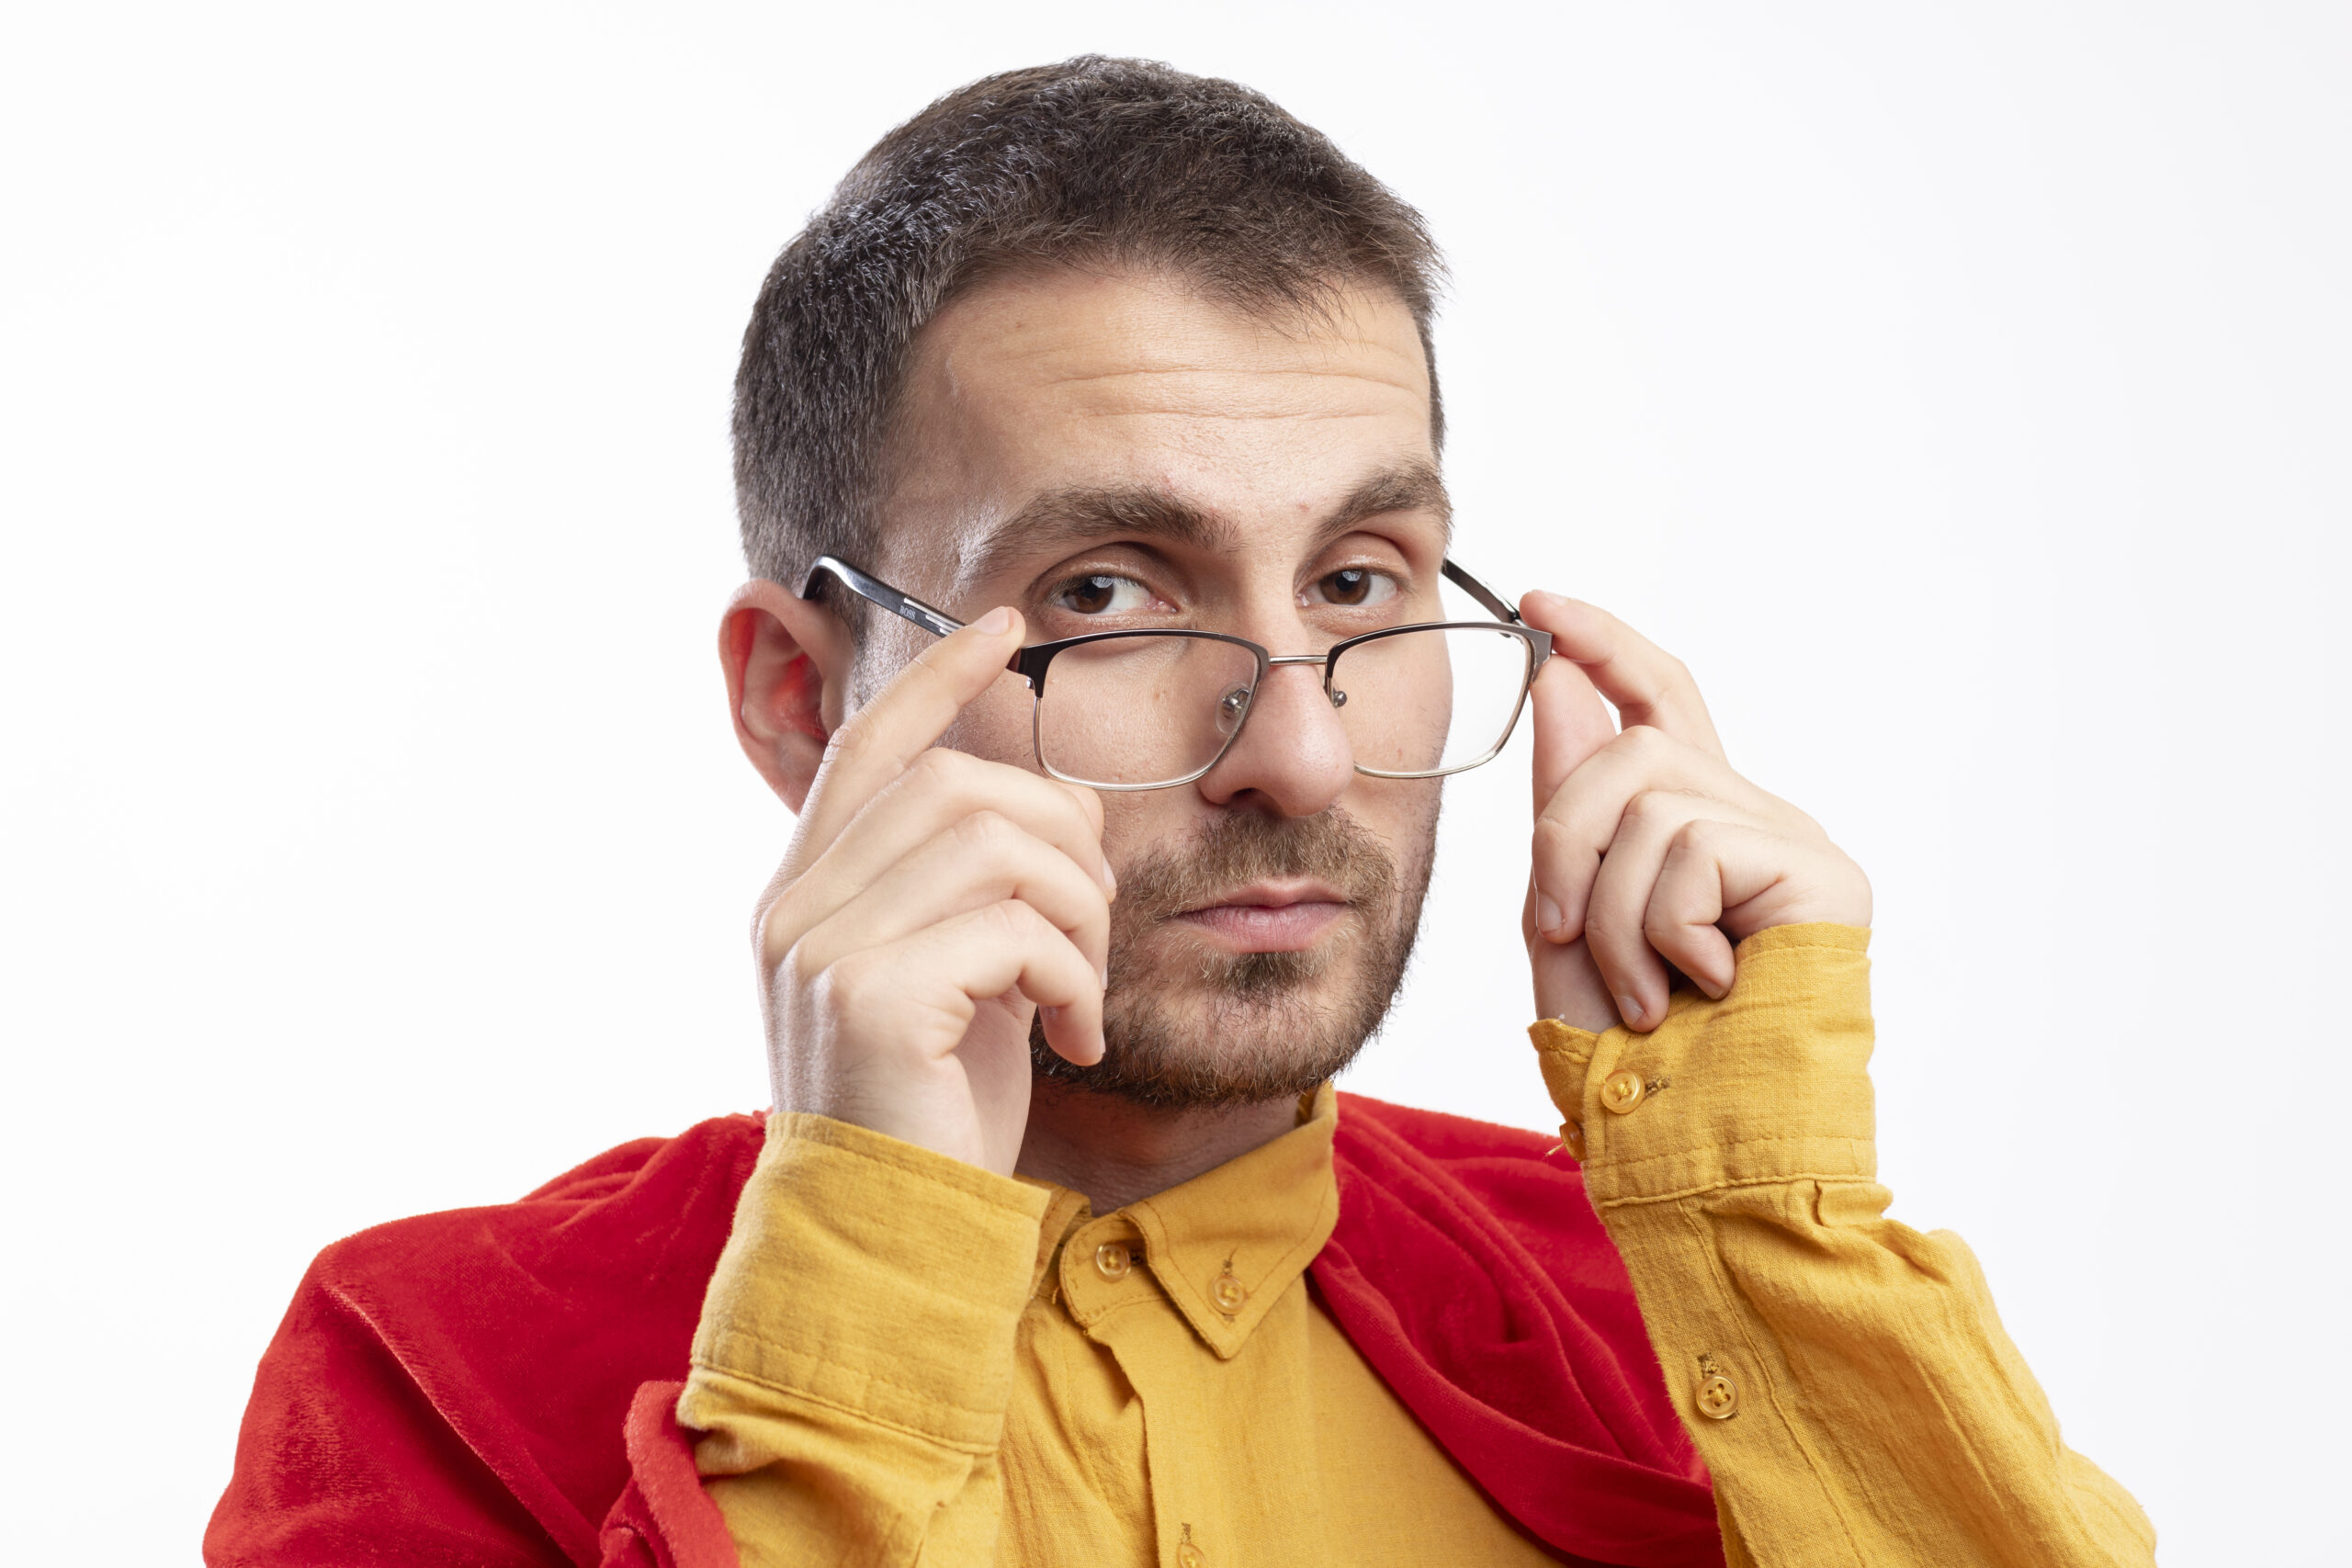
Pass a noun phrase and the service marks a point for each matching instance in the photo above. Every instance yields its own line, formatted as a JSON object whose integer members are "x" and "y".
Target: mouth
{"x": 1268, "y": 917}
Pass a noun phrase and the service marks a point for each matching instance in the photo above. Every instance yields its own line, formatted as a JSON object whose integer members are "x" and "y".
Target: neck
{"x": 1116, "y": 1152}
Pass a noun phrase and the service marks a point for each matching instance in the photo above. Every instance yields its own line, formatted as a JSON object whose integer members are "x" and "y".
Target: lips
{"x": 1268, "y": 917}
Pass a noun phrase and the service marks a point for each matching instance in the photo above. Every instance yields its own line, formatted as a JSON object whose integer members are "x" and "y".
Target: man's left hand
{"x": 1649, "y": 850}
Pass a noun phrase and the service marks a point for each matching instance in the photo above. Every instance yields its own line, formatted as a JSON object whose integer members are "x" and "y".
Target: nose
{"x": 1293, "y": 752}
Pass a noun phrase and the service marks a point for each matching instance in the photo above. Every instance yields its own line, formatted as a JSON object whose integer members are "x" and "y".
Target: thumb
{"x": 1571, "y": 724}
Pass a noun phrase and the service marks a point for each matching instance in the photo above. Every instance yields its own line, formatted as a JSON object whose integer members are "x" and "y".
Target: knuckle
{"x": 1698, "y": 836}
{"x": 803, "y": 967}
{"x": 842, "y": 985}
{"x": 1562, "y": 847}
{"x": 782, "y": 915}
{"x": 1014, "y": 920}
{"x": 1653, "y": 808}
{"x": 773, "y": 932}
{"x": 1641, "y": 741}
{"x": 1567, "y": 827}
{"x": 940, "y": 768}
{"x": 1660, "y": 921}
{"x": 987, "y": 832}
{"x": 1605, "y": 926}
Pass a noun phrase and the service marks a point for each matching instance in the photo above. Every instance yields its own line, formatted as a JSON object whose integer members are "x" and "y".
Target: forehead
{"x": 1062, "y": 379}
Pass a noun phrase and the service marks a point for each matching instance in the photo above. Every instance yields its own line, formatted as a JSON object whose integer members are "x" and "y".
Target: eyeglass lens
{"x": 1137, "y": 711}
{"x": 1132, "y": 711}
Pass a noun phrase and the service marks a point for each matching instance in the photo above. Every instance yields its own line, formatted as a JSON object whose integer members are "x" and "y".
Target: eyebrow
{"x": 1061, "y": 520}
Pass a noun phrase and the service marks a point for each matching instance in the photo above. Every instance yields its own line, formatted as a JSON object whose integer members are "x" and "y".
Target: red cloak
{"x": 495, "y": 1386}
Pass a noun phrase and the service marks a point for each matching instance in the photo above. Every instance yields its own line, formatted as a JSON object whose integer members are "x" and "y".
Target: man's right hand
{"x": 931, "y": 901}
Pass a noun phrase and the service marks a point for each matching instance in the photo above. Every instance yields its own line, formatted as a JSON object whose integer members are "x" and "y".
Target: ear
{"x": 787, "y": 664}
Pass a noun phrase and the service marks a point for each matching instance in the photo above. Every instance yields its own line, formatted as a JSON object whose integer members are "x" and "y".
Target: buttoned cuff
{"x": 868, "y": 1276}
{"x": 1769, "y": 1084}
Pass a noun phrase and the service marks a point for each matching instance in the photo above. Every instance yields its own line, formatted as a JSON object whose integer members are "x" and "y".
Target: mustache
{"x": 1238, "y": 849}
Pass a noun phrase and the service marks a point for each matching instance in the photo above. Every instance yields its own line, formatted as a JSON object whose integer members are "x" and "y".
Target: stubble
{"x": 1199, "y": 1029}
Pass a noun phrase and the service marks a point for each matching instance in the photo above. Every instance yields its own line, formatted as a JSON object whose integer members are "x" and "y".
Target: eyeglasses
{"x": 1134, "y": 710}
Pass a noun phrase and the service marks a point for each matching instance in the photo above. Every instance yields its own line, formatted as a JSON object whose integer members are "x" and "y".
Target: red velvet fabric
{"x": 496, "y": 1386}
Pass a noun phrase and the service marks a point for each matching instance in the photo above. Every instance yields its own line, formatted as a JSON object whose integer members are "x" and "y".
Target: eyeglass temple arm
{"x": 1492, "y": 603}
{"x": 875, "y": 591}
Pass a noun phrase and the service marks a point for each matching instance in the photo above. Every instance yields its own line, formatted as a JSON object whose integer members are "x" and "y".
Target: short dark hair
{"x": 1092, "y": 160}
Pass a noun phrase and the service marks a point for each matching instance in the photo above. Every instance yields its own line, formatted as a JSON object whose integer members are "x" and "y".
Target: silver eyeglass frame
{"x": 1030, "y": 663}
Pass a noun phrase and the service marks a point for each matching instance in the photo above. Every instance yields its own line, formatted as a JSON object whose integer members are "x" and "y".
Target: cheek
{"x": 997, "y": 726}
{"x": 1134, "y": 825}
{"x": 1402, "y": 814}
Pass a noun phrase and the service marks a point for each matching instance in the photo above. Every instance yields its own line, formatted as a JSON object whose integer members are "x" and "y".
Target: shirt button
{"x": 1622, "y": 1091}
{"x": 1718, "y": 1399}
{"x": 1191, "y": 1556}
{"x": 1572, "y": 1140}
{"x": 1112, "y": 1260}
{"x": 1229, "y": 1292}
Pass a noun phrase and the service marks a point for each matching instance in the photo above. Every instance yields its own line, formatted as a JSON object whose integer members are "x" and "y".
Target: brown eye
{"x": 1353, "y": 587}
{"x": 1101, "y": 593}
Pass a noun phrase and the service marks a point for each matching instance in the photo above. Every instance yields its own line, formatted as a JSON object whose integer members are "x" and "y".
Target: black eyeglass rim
{"x": 1031, "y": 663}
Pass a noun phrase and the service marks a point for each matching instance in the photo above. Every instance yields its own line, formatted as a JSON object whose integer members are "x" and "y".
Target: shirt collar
{"x": 1222, "y": 1247}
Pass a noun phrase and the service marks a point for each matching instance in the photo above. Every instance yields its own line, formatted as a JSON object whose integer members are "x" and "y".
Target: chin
{"x": 1241, "y": 1029}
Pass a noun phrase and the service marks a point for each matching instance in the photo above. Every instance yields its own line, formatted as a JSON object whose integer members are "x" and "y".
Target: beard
{"x": 1255, "y": 1028}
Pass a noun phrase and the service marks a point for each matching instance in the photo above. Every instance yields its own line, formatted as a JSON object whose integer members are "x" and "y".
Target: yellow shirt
{"x": 905, "y": 1359}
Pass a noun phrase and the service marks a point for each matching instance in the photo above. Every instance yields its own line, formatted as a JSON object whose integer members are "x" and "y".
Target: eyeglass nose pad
{"x": 1232, "y": 708}
{"x": 1339, "y": 697}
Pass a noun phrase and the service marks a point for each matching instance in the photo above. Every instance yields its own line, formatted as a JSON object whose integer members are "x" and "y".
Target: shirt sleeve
{"x": 1846, "y": 1377}
{"x": 854, "y": 1360}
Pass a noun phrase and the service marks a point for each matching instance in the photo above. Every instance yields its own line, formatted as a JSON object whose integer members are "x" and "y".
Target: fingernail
{"x": 1048, "y": 1015}
{"x": 1629, "y": 1007}
{"x": 1110, "y": 879}
{"x": 1106, "y": 976}
{"x": 1548, "y": 919}
{"x": 995, "y": 622}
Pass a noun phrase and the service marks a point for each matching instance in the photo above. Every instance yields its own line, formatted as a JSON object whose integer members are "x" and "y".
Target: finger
{"x": 1583, "y": 817}
{"x": 922, "y": 992}
{"x": 884, "y": 738}
{"x": 1567, "y": 983}
{"x": 1571, "y": 724}
{"x": 938, "y": 790}
{"x": 1703, "y": 871}
{"x": 1647, "y": 684}
{"x": 980, "y": 860}
{"x": 1770, "y": 879}
{"x": 1614, "y": 925}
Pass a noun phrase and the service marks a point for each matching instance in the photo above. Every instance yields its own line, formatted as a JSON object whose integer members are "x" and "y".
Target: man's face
{"x": 1104, "y": 452}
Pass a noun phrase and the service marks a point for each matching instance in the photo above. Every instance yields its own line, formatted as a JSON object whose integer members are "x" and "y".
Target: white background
{"x": 1961, "y": 389}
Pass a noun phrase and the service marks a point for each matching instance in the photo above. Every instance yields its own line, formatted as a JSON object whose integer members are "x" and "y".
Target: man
{"x": 1056, "y": 1246}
